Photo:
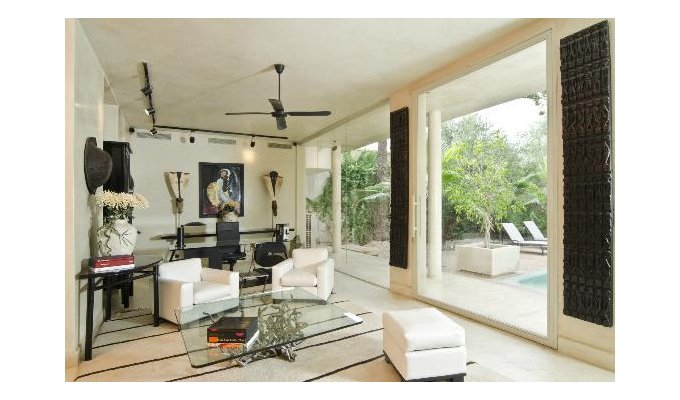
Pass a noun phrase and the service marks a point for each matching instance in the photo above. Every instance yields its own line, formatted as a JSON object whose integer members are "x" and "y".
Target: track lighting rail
{"x": 250, "y": 135}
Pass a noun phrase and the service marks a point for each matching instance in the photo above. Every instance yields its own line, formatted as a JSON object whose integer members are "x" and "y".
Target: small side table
{"x": 253, "y": 276}
{"x": 144, "y": 266}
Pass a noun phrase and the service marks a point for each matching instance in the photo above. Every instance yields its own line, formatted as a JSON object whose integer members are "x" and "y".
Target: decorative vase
{"x": 117, "y": 238}
{"x": 230, "y": 217}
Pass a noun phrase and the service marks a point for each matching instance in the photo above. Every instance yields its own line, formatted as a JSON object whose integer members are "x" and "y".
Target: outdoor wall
{"x": 587, "y": 341}
{"x": 151, "y": 158}
{"x": 83, "y": 217}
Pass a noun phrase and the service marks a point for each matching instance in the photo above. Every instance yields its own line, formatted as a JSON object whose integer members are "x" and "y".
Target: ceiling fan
{"x": 279, "y": 113}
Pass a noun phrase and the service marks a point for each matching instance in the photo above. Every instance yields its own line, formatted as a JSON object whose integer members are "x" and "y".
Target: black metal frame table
{"x": 211, "y": 251}
{"x": 144, "y": 266}
{"x": 255, "y": 275}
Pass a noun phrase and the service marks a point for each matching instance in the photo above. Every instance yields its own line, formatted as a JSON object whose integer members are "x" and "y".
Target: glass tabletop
{"x": 284, "y": 317}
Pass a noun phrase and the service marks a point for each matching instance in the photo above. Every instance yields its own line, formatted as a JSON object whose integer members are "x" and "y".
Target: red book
{"x": 112, "y": 261}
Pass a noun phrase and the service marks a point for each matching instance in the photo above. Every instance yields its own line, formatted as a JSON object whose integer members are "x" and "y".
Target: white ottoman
{"x": 424, "y": 345}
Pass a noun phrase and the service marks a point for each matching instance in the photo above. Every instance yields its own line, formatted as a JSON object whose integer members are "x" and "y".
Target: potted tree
{"x": 476, "y": 180}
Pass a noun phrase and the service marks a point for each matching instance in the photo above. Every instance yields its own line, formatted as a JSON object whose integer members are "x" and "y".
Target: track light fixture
{"x": 150, "y": 111}
{"x": 252, "y": 141}
{"x": 146, "y": 90}
{"x": 192, "y": 138}
{"x": 335, "y": 146}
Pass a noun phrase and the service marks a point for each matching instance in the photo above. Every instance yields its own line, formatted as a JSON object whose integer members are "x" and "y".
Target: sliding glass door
{"x": 486, "y": 188}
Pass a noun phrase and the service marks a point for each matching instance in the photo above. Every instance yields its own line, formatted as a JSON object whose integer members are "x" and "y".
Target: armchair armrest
{"x": 224, "y": 277}
{"x": 325, "y": 275}
{"x": 219, "y": 276}
{"x": 278, "y": 271}
{"x": 174, "y": 294}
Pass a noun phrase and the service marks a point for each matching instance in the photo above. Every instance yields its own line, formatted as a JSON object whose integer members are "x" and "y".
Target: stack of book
{"x": 112, "y": 263}
{"x": 233, "y": 333}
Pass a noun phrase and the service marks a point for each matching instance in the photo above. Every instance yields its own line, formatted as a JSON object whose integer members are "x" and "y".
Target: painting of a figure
{"x": 219, "y": 183}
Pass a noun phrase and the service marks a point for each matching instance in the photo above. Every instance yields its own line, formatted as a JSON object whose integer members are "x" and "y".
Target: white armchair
{"x": 185, "y": 283}
{"x": 309, "y": 269}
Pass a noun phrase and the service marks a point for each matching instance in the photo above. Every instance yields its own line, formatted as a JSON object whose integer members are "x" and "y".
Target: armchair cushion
{"x": 206, "y": 291}
{"x": 300, "y": 277}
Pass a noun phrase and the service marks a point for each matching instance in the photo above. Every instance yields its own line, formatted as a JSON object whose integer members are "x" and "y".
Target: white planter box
{"x": 494, "y": 261}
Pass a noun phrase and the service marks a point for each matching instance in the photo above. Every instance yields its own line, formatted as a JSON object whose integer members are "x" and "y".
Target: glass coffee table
{"x": 285, "y": 318}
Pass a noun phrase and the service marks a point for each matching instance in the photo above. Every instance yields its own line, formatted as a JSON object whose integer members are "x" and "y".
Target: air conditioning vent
{"x": 280, "y": 146}
{"x": 159, "y": 136}
{"x": 222, "y": 141}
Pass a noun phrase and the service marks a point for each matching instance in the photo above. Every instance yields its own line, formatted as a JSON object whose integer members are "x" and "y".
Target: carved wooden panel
{"x": 588, "y": 201}
{"x": 399, "y": 188}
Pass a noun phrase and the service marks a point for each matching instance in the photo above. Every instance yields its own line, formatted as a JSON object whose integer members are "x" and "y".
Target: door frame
{"x": 554, "y": 186}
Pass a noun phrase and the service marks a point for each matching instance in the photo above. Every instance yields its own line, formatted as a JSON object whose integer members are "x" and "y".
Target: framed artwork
{"x": 219, "y": 183}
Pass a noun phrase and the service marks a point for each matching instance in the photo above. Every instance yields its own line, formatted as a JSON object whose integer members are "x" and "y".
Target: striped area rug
{"x": 129, "y": 348}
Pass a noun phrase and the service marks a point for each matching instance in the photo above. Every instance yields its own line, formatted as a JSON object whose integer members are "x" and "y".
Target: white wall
{"x": 151, "y": 158}
{"x": 84, "y": 217}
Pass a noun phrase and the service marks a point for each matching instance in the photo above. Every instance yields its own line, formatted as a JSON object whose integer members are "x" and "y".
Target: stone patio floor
{"x": 501, "y": 298}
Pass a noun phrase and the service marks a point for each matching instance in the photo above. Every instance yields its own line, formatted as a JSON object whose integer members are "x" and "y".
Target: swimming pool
{"x": 537, "y": 282}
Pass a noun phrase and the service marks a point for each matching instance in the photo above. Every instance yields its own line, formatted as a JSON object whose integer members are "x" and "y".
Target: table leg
{"x": 156, "y": 318}
{"x": 124, "y": 291}
{"x": 89, "y": 315}
{"x": 107, "y": 297}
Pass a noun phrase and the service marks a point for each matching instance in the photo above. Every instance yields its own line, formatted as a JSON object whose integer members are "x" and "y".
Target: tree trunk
{"x": 487, "y": 232}
{"x": 382, "y": 210}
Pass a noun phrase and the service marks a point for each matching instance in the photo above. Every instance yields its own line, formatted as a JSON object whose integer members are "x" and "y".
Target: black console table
{"x": 213, "y": 234}
{"x": 144, "y": 266}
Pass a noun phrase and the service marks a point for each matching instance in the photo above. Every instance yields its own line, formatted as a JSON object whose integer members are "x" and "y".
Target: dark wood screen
{"x": 588, "y": 202}
{"x": 399, "y": 188}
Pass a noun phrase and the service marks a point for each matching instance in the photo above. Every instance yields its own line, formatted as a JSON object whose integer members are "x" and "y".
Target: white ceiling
{"x": 510, "y": 78}
{"x": 371, "y": 127}
{"x": 201, "y": 68}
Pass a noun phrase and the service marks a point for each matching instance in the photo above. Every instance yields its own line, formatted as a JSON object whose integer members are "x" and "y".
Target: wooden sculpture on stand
{"x": 178, "y": 182}
{"x": 273, "y": 181}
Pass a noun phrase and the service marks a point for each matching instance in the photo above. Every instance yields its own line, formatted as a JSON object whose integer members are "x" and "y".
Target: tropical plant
{"x": 358, "y": 169}
{"x": 476, "y": 180}
{"x": 378, "y": 192}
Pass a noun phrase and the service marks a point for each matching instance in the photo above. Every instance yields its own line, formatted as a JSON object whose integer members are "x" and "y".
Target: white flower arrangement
{"x": 120, "y": 205}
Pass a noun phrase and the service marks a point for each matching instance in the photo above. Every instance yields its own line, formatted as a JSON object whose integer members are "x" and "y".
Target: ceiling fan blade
{"x": 276, "y": 104}
{"x": 308, "y": 113}
{"x": 248, "y": 113}
{"x": 281, "y": 123}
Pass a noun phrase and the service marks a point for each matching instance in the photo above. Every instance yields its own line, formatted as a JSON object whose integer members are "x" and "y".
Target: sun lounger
{"x": 535, "y": 232}
{"x": 516, "y": 238}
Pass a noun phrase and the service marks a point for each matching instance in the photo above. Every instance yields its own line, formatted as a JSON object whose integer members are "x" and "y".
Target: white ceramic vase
{"x": 230, "y": 217}
{"x": 117, "y": 238}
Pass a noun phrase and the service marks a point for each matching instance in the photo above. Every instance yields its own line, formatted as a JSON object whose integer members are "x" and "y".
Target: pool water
{"x": 537, "y": 282}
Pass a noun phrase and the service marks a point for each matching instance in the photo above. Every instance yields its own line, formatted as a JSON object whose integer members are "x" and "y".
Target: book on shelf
{"x": 236, "y": 346}
{"x": 232, "y": 330}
